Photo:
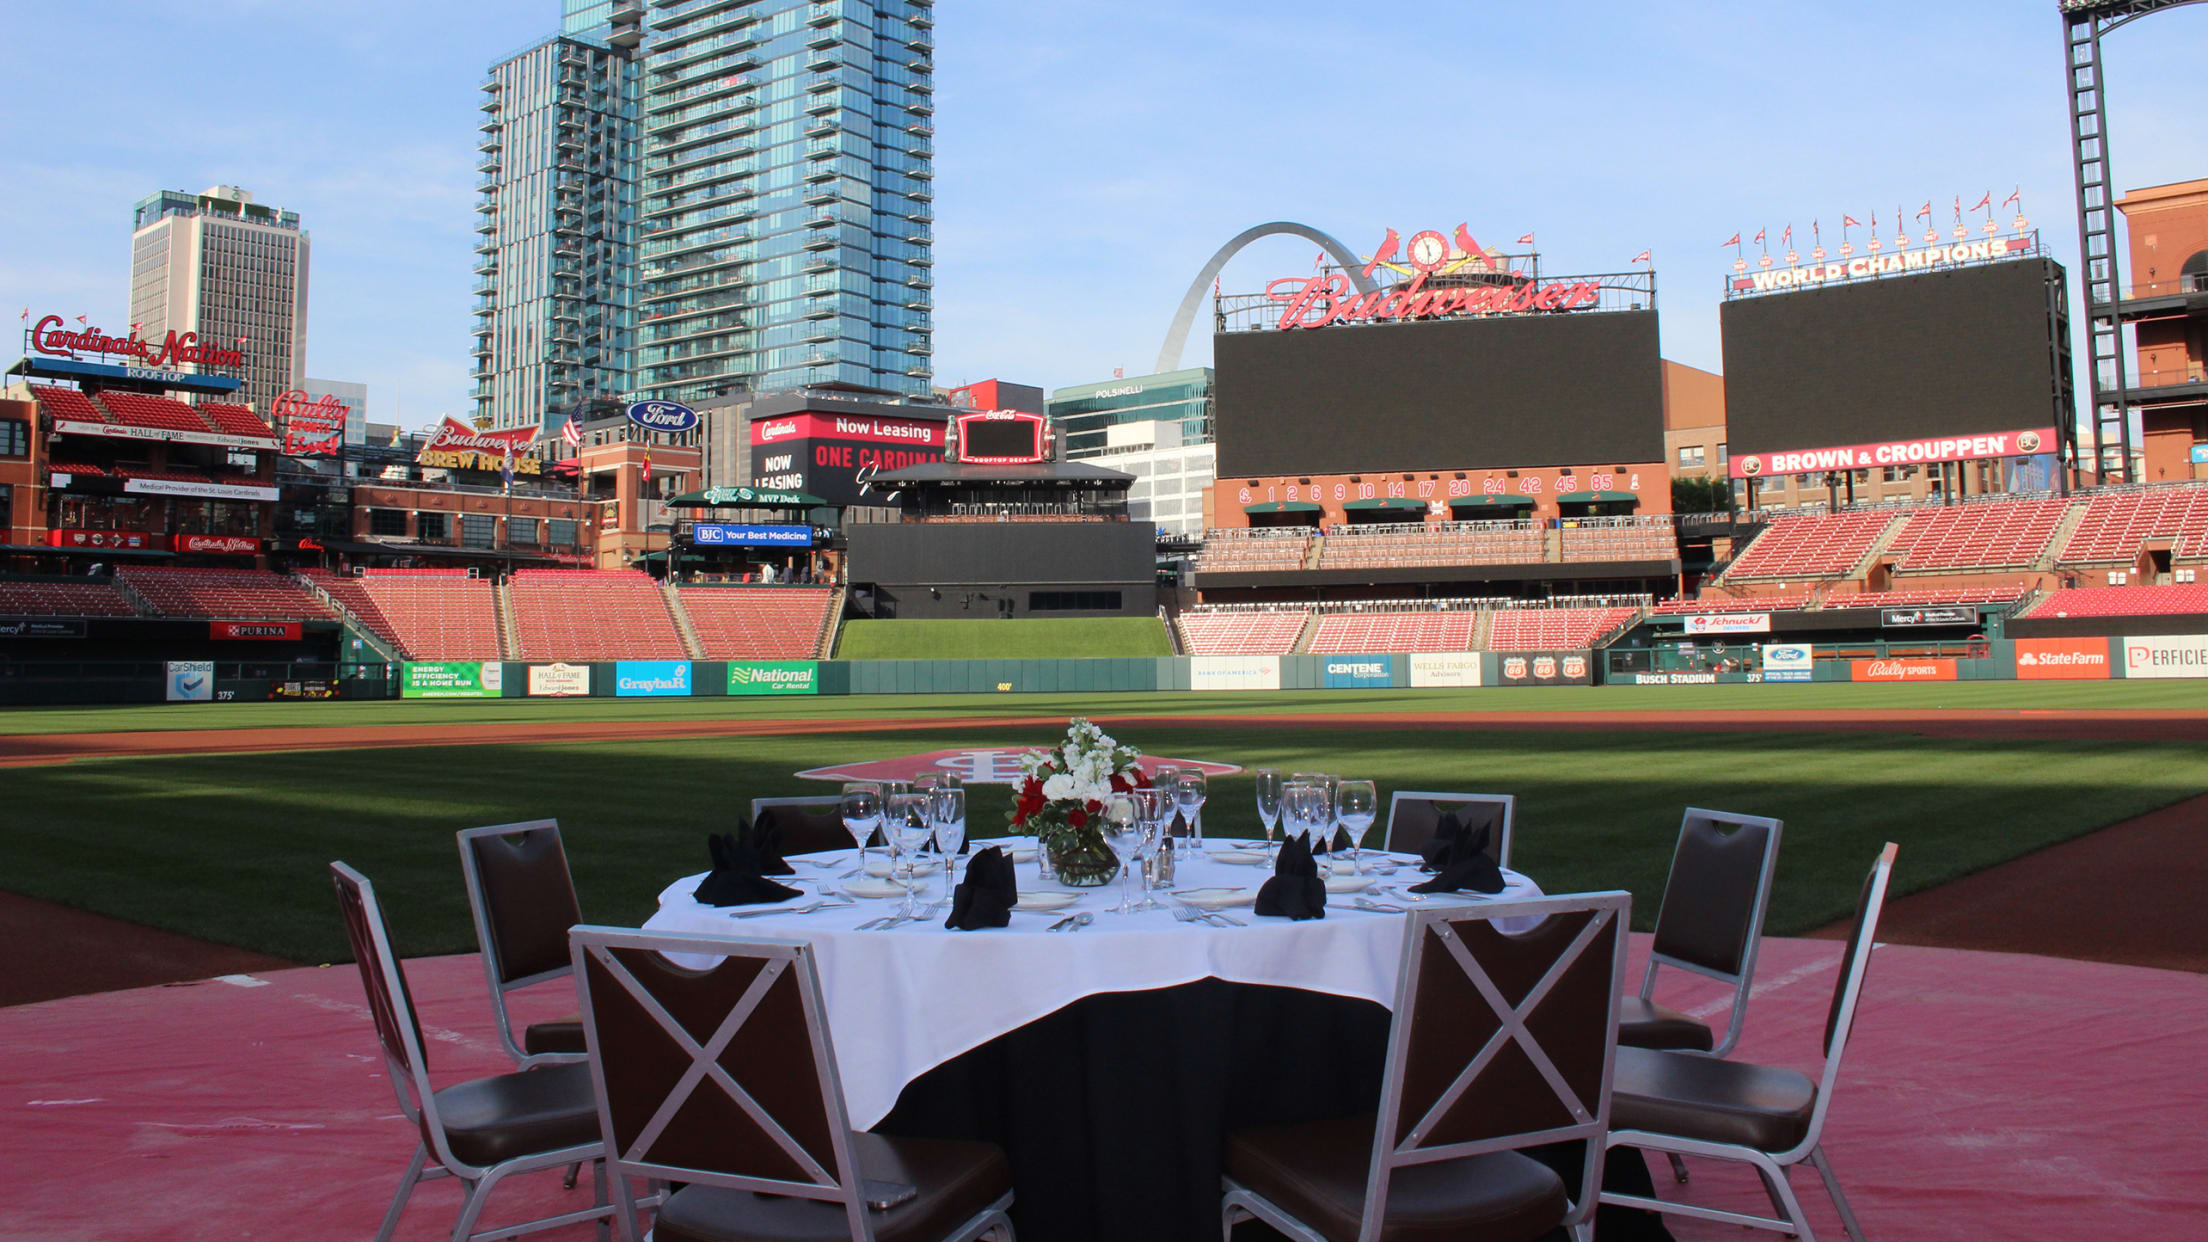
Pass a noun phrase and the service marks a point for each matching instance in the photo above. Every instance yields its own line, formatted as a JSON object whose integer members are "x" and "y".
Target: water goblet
{"x": 907, "y": 826}
{"x": 862, "y": 813}
{"x": 1355, "y": 805}
{"x": 1268, "y": 802}
{"x": 947, "y": 814}
{"x": 1189, "y": 794}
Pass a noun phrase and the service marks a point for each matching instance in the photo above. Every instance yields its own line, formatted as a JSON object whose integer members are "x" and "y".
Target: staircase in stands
{"x": 691, "y": 643}
{"x": 509, "y": 635}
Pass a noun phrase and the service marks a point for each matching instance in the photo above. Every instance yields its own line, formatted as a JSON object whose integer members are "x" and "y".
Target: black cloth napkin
{"x": 735, "y": 879}
{"x": 1295, "y": 891}
{"x": 765, "y": 840}
{"x": 1458, "y": 853}
{"x": 984, "y": 898}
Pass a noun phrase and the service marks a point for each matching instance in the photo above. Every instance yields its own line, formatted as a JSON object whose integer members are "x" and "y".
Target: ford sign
{"x": 663, "y": 416}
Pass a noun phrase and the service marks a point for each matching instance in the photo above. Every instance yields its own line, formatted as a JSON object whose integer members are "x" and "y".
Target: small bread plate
{"x": 1045, "y": 901}
{"x": 1242, "y": 857}
{"x": 876, "y": 889}
{"x": 882, "y": 870}
{"x": 1216, "y": 898}
{"x": 1348, "y": 883}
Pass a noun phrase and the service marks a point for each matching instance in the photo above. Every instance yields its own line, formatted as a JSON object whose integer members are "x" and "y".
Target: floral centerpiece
{"x": 1064, "y": 794}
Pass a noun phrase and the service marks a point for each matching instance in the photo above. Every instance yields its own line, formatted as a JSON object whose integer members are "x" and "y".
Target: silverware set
{"x": 1072, "y": 922}
{"x": 827, "y": 901}
{"x": 1186, "y": 913}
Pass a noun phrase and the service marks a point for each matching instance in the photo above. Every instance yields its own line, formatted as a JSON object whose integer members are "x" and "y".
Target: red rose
{"x": 1078, "y": 817}
{"x": 1119, "y": 783}
{"x": 1031, "y": 800}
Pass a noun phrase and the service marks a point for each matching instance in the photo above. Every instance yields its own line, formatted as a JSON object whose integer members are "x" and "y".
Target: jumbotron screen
{"x": 1904, "y": 358}
{"x": 1533, "y": 390}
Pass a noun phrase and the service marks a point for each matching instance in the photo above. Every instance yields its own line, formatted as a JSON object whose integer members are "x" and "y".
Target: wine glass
{"x": 862, "y": 813}
{"x": 1355, "y": 804}
{"x": 1304, "y": 808}
{"x": 1322, "y": 836}
{"x": 947, "y": 811}
{"x": 1148, "y": 833}
{"x": 1268, "y": 802}
{"x": 1120, "y": 832}
{"x": 1189, "y": 794}
{"x": 907, "y": 819}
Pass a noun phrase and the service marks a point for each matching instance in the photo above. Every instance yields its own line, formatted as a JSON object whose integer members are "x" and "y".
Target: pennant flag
{"x": 1317, "y": 262}
{"x": 1987, "y": 201}
{"x": 1642, "y": 257}
{"x": 1923, "y": 213}
{"x": 647, "y": 465}
{"x": 1787, "y": 238}
{"x": 2017, "y": 198}
{"x": 80, "y": 319}
{"x": 1958, "y": 209}
{"x": 1850, "y": 222}
{"x": 1758, "y": 238}
{"x": 26, "y": 313}
{"x": 572, "y": 431}
{"x": 1527, "y": 240}
{"x": 1734, "y": 240}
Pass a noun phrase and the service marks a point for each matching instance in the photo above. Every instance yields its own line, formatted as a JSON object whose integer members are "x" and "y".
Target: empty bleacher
{"x": 429, "y": 614}
{"x": 2117, "y": 525}
{"x": 1241, "y": 632}
{"x": 1727, "y": 603}
{"x": 63, "y": 599}
{"x": 139, "y": 410}
{"x": 1983, "y": 535}
{"x": 230, "y": 594}
{"x": 2182, "y": 599}
{"x": 68, "y": 403}
{"x": 1347, "y": 633}
{"x": 1448, "y": 543}
{"x": 1234, "y": 551}
{"x": 1816, "y": 546}
{"x": 589, "y": 614}
{"x": 1619, "y": 539}
{"x": 2008, "y": 594}
{"x": 1543, "y": 629}
{"x": 758, "y": 623}
{"x": 236, "y": 420}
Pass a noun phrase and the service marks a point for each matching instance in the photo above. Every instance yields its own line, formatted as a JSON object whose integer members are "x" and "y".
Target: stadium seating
{"x": 1241, "y": 633}
{"x": 589, "y": 614}
{"x": 1456, "y": 543}
{"x": 1632, "y": 539}
{"x": 75, "y": 467}
{"x": 1816, "y": 546}
{"x": 1544, "y": 629}
{"x": 1727, "y": 603}
{"x": 1981, "y": 535}
{"x": 68, "y": 403}
{"x": 758, "y": 623}
{"x": 2117, "y": 525}
{"x": 2008, "y": 594}
{"x": 1348, "y": 633}
{"x": 429, "y": 614}
{"x": 235, "y": 420}
{"x": 63, "y": 599}
{"x": 139, "y": 410}
{"x": 2125, "y": 601}
{"x": 236, "y": 594}
{"x": 1237, "y": 552}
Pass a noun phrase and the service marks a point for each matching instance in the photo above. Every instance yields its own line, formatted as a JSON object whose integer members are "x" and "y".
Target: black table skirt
{"x": 1113, "y": 1110}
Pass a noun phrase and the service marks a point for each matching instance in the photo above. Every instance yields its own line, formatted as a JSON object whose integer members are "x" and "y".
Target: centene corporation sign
{"x": 1322, "y": 300}
{"x": 177, "y": 349}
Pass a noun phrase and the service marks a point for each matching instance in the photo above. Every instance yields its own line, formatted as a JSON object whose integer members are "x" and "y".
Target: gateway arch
{"x": 1176, "y": 338}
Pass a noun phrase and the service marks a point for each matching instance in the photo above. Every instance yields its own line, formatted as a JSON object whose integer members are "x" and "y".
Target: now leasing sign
{"x": 773, "y": 677}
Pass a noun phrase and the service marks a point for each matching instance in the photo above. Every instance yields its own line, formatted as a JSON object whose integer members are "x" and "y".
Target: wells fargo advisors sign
{"x": 459, "y": 447}
{"x": 1469, "y": 278}
{"x": 177, "y": 349}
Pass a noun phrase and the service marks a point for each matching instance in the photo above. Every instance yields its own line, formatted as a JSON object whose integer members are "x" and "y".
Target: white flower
{"x": 1059, "y": 787}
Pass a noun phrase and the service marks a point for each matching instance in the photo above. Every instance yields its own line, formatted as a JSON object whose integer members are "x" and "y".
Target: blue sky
{"x": 1091, "y": 156}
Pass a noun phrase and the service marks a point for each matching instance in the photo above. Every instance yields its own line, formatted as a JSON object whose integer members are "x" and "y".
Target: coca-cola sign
{"x": 312, "y": 427}
{"x": 175, "y": 350}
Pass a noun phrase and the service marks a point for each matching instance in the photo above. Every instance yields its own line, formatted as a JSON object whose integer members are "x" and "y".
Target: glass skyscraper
{"x": 688, "y": 198}
{"x": 1085, "y": 413}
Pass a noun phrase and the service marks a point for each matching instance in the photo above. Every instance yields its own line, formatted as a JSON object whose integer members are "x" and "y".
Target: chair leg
{"x": 1678, "y": 1167}
{"x": 568, "y": 1182}
{"x": 479, "y": 1193}
{"x": 598, "y": 1197}
{"x": 407, "y": 1184}
{"x": 624, "y": 1211}
{"x": 1832, "y": 1187}
{"x": 1776, "y": 1185}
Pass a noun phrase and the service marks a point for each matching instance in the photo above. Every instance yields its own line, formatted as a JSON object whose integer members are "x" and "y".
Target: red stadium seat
{"x": 237, "y": 594}
{"x": 236, "y": 420}
{"x": 1815, "y": 546}
{"x": 1241, "y": 633}
{"x": 139, "y": 410}
{"x": 2182, "y": 599}
{"x": 586, "y": 614}
{"x": 2118, "y": 525}
{"x": 63, "y": 599}
{"x": 1989, "y": 534}
{"x": 760, "y": 623}
{"x": 68, "y": 403}
{"x": 436, "y": 614}
{"x": 1559, "y": 629}
{"x": 1350, "y": 633}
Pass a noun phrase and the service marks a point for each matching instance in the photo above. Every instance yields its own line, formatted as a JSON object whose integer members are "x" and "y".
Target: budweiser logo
{"x": 176, "y": 350}
{"x": 1317, "y": 301}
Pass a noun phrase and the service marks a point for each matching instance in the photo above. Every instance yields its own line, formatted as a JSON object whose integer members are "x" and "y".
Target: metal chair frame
{"x": 1509, "y": 803}
{"x": 488, "y": 944}
{"x": 1772, "y": 1167}
{"x": 1397, "y": 1140}
{"x": 761, "y": 804}
{"x": 841, "y": 1184}
{"x": 408, "y": 1071}
{"x": 1754, "y": 942}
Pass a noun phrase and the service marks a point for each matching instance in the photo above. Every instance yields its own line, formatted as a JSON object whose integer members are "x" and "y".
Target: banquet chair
{"x": 810, "y": 825}
{"x": 481, "y": 1131}
{"x": 724, "y": 1080}
{"x": 523, "y": 899}
{"x": 1710, "y": 924}
{"x": 1500, "y": 1042}
{"x": 1412, "y": 816}
{"x": 1768, "y": 1118}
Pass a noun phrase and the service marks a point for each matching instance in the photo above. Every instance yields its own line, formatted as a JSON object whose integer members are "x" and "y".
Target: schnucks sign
{"x": 773, "y": 677}
{"x": 175, "y": 350}
{"x": 1894, "y": 453}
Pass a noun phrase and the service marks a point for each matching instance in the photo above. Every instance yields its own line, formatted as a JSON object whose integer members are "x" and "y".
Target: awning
{"x": 1282, "y": 506}
{"x": 688, "y": 558}
{"x": 1492, "y": 502}
{"x": 745, "y": 498}
{"x": 1585, "y": 498}
{"x": 1384, "y": 502}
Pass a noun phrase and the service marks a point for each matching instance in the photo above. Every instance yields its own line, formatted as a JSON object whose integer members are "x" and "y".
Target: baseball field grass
{"x": 1022, "y": 639}
{"x": 234, "y": 847}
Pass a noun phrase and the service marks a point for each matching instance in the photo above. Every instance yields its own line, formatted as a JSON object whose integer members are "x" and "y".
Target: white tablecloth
{"x": 903, "y": 1001}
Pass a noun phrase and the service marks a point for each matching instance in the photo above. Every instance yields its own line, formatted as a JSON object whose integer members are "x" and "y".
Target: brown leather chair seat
{"x": 1646, "y": 1024}
{"x": 1714, "y": 1101}
{"x": 561, "y": 1035}
{"x": 1317, "y": 1171}
{"x": 956, "y": 1180}
{"x": 507, "y": 1115}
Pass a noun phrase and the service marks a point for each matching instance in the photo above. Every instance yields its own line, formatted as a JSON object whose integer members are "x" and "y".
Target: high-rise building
{"x": 230, "y": 269}
{"x": 1086, "y": 412}
{"x": 787, "y": 196}
{"x": 555, "y": 260}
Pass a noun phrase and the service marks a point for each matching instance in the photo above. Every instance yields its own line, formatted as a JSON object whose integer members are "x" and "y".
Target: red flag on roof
{"x": 1527, "y": 240}
{"x": 1987, "y": 201}
{"x": 1848, "y": 221}
{"x": 1925, "y": 212}
{"x": 1642, "y": 257}
{"x": 2017, "y": 198}
{"x": 1734, "y": 240}
{"x": 647, "y": 466}
{"x": 1758, "y": 238}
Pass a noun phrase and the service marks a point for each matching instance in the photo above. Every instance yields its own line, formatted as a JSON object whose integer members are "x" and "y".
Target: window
{"x": 1801, "y": 480}
{"x": 1722, "y": 455}
{"x": 430, "y": 527}
{"x": 15, "y": 438}
{"x": 1691, "y": 456}
{"x": 521, "y": 531}
{"x": 478, "y": 530}
{"x": 1073, "y": 601}
{"x": 560, "y": 532}
{"x": 7, "y": 507}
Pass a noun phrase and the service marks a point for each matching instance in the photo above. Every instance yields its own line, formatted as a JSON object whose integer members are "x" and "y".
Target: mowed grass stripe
{"x": 234, "y": 848}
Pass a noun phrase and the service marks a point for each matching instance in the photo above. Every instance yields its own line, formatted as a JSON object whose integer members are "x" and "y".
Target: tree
{"x": 1701, "y": 496}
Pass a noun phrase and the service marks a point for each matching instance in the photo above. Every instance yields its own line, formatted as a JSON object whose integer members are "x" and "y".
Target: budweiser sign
{"x": 312, "y": 428}
{"x": 457, "y": 447}
{"x": 1321, "y": 300}
{"x": 176, "y": 350}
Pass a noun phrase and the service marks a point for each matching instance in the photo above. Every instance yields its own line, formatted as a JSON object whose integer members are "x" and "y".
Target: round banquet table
{"x": 1109, "y": 1062}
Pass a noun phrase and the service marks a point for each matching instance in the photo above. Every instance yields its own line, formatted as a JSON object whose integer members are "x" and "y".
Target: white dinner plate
{"x": 1348, "y": 883}
{"x": 1045, "y": 901}
{"x": 1242, "y": 858}
{"x": 1216, "y": 898}
{"x": 881, "y": 870}
{"x": 873, "y": 888}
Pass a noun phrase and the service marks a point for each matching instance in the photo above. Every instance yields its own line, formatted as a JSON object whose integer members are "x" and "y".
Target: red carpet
{"x": 1985, "y": 1096}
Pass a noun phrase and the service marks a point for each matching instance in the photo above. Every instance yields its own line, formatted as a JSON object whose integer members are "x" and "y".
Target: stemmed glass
{"x": 1268, "y": 802}
{"x": 1303, "y": 809}
{"x": 1322, "y": 838}
{"x": 1120, "y": 833}
{"x": 947, "y": 811}
{"x": 1355, "y": 804}
{"x": 1189, "y": 794}
{"x": 862, "y": 813}
{"x": 907, "y": 818}
{"x": 1150, "y": 832}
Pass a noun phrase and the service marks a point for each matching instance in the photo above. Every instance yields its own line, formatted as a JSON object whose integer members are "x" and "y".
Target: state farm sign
{"x": 2061, "y": 659}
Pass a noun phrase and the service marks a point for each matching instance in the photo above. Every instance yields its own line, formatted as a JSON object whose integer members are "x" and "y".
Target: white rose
{"x": 1059, "y": 787}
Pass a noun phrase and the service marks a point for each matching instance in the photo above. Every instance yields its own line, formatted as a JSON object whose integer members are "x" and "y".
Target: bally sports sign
{"x": 1895, "y": 453}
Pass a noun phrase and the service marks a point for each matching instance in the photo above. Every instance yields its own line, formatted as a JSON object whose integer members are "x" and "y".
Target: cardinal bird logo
{"x": 1385, "y": 255}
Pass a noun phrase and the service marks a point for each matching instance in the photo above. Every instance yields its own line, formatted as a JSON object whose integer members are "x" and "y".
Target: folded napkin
{"x": 984, "y": 898}
{"x": 765, "y": 840}
{"x": 1295, "y": 891}
{"x": 736, "y": 879}
{"x": 1458, "y": 853}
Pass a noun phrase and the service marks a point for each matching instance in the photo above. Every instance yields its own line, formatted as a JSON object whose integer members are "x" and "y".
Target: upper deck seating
{"x": 1811, "y": 546}
{"x": 1241, "y": 633}
{"x": 235, "y": 594}
{"x": 1982, "y": 535}
{"x": 1349, "y": 633}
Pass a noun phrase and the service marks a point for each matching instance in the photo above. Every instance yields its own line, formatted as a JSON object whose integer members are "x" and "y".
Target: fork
{"x": 808, "y": 908}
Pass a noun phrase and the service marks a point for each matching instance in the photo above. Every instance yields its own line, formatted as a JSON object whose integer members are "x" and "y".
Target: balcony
{"x": 821, "y": 173}
{"x": 489, "y": 206}
{"x": 825, "y": 38}
{"x": 820, "y": 263}
{"x": 822, "y": 128}
{"x": 920, "y": 107}
{"x": 822, "y": 221}
{"x": 491, "y": 123}
{"x": 820, "y": 335}
{"x": 487, "y": 265}
{"x": 920, "y": 280}
{"x": 822, "y": 310}
{"x": 486, "y": 247}
{"x": 487, "y": 226}
{"x": 921, "y": 260}
{"x": 817, "y": 198}
{"x": 823, "y": 62}
{"x": 821, "y": 241}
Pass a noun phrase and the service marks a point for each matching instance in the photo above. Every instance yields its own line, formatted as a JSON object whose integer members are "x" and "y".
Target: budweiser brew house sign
{"x": 458, "y": 447}
{"x": 1326, "y": 299}
{"x": 177, "y": 349}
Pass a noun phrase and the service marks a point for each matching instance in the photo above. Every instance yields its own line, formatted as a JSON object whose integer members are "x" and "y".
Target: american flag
{"x": 571, "y": 431}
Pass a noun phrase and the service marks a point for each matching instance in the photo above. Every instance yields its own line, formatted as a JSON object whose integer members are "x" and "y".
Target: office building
{"x": 1085, "y": 412}
{"x": 230, "y": 269}
{"x": 353, "y": 396}
{"x": 1171, "y": 475}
